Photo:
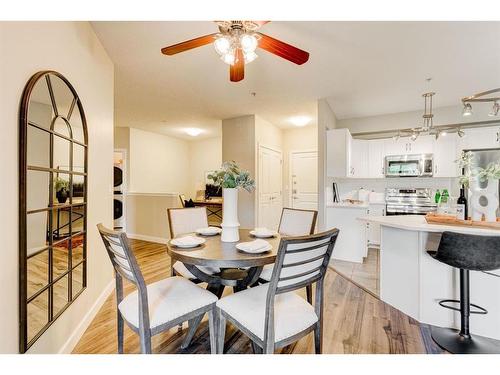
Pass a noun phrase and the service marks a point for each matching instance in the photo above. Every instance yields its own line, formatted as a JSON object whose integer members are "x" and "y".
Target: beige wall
{"x": 205, "y": 155}
{"x": 238, "y": 144}
{"x": 158, "y": 163}
{"x": 326, "y": 120}
{"x": 73, "y": 49}
{"x": 147, "y": 215}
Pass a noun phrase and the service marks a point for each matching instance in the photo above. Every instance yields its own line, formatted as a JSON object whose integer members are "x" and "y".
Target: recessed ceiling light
{"x": 300, "y": 120}
{"x": 193, "y": 132}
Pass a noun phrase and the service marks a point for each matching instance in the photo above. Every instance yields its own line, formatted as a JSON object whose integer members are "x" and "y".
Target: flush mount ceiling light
{"x": 300, "y": 120}
{"x": 236, "y": 43}
{"x": 193, "y": 132}
{"x": 481, "y": 97}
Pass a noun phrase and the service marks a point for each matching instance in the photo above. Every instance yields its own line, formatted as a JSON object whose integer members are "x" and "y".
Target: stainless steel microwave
{"x": 418, "y": 165}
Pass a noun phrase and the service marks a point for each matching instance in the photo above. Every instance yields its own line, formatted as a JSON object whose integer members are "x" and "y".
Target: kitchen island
{"x": 413, "y": 282}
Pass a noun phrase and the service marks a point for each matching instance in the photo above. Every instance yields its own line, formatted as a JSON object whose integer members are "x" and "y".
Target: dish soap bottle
{"x": 444, "y": 196}
{"x": 437, "y": 197}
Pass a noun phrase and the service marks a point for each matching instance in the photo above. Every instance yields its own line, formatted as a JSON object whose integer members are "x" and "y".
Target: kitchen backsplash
{"x": 347, "y": 185}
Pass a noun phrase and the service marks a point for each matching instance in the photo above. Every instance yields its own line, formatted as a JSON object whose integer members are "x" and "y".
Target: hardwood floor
{"x": 355, "y": 321}
{"x": 364, "y": 274}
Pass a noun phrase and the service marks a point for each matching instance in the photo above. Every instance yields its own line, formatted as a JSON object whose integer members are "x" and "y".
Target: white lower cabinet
{"x": 351, "y": 242}
{"x": 373, "y": 229}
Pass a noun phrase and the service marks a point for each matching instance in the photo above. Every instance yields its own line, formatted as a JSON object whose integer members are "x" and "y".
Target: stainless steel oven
{"x": 417, "y": 165}
{"x": 409, "y": 201}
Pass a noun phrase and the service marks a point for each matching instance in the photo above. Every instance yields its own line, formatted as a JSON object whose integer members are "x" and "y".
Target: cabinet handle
{"x": 435, "y": 168}
{"x": 498, "y": 134}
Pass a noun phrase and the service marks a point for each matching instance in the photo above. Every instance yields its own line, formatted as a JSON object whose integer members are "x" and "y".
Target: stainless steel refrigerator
{"x": 483, "y": 157}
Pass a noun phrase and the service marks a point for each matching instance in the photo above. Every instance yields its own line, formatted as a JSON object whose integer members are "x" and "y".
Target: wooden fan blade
{"x": 237, "y": 70}
{"x": 282, "y": 49}
{"x": 261, "y": 23}
{"x": 187, "y": 45}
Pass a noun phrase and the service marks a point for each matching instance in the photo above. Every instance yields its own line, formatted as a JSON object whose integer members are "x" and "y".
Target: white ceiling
{"x": 362, "y": 68}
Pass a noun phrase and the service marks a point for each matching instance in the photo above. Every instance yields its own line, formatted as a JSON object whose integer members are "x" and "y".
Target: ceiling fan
{"x": 236, "y": 43}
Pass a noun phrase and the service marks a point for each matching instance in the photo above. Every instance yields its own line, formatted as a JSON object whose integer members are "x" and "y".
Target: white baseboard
{"x": 77, "y": 334}
{"x": 142, "y": 237}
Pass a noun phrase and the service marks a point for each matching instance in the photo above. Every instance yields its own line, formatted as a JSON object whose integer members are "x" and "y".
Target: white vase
{"x": 230, "y": 225}
{"x": 484, "y": 200}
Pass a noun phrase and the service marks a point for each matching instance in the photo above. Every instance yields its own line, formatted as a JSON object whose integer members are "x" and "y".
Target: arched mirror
{"x": 52, "y": 203}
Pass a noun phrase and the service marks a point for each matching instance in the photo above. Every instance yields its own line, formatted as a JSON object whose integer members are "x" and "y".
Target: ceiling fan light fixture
{"x": 248, "y": 43}
{"x": 222, "y": 45}
{"x": 228, "y": 57}
{"x": 249, "y": 56}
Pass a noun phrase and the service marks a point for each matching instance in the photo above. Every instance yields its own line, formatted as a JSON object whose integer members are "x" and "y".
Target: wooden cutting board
{"x": 433, "y": 218}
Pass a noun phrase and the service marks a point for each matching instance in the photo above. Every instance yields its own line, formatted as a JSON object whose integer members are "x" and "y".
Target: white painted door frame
{"x": 261, "y": 146}
{"x": 290, "y": 173}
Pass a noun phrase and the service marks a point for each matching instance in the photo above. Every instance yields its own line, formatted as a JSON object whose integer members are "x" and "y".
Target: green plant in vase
{"x": 61, "y": 187}
{"x": 231, "y": 178}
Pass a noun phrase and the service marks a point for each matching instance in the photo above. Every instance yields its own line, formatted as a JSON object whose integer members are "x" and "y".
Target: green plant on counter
{"x": 61, "y": 184}
{"x": 492, "y": 171}
{"x": 230, "y": 176}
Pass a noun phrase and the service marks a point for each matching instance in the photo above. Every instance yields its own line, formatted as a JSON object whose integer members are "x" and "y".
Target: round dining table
{"x": 238, "y": 269}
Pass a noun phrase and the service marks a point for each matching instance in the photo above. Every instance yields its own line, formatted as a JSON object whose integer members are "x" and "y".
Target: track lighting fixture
{"x": 494, "y": 110}
{"x": 467, "y": 111}
{"x": 460, "y": 133}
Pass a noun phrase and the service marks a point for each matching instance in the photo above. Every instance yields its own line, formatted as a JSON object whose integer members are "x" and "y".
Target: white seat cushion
{"x": 168, "y": 299}
{"x": 292, "y": 314}
{"x": 267, "y": 272}
{"x": 181, "y": 270}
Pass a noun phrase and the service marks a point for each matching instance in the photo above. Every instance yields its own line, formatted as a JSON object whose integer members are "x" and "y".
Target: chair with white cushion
{"x": 156, "y": 307}
{"x": 183, "y": 221}
{"x": 294, "y": 222}
{"x": 272, "y": 315}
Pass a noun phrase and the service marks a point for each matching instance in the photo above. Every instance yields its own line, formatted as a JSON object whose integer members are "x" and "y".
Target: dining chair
{"x": 183, "y": 221}
{"x": 293, "y": 222}
{"x": 272, "y": 315}
{"x": 157, "y": 307}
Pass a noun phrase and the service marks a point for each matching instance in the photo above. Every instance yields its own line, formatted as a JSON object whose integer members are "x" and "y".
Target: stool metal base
{"x": 450, "y": 340}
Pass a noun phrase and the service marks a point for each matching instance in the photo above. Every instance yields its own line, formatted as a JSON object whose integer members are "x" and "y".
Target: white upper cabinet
{"x": 359, "y": 158}
{"x": 422, "y": 145}
{"x": 376, "y": 158}
{"x": 445, "y": 153}
{"x": 480, "y": 138}
{"x": 338, "y": 153}
{"x": 396, "y": 147}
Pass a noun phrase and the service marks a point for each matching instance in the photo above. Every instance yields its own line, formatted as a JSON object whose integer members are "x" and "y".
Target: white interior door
{"x": 304, "y": 179}
{"x": 269, "y": 187}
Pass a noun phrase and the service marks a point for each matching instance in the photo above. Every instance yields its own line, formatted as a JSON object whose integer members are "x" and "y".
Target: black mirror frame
{"x": 24, "y": 344}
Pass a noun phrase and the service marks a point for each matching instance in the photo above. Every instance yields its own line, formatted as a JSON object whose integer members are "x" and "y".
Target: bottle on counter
{"x": 444, "y": 196}
{"x": 437, "y": 197}
{"x": 462, "y": 213}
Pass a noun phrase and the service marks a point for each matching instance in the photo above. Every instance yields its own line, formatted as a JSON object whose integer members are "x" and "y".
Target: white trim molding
{"x": 142, "y": 237}
{"x": 77, "y": 334}
{"x": 153, "y": 194}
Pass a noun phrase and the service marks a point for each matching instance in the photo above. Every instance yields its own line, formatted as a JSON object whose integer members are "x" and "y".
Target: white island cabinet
{"x": 413, "y": 282}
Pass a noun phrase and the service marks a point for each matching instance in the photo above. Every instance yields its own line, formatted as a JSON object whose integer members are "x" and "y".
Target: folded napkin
{"x": 253, "y": 245}
{"x": 187, "y": 240}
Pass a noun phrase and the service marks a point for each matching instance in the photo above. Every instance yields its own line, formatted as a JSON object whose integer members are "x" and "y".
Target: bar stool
{"x": 467, "y": 253}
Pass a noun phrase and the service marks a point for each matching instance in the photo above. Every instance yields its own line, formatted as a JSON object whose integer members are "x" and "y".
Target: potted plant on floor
{"x": 231, "y": 178}
{"x": 61, "y": 187}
